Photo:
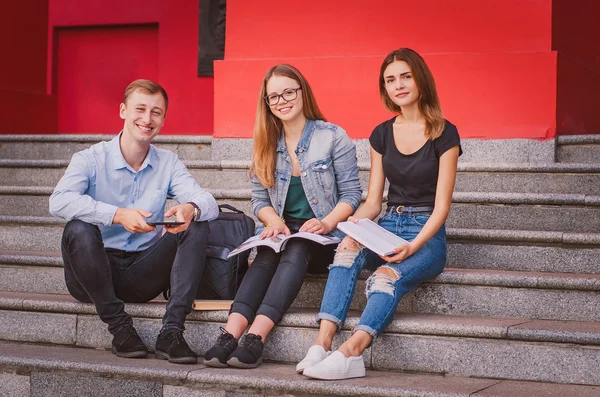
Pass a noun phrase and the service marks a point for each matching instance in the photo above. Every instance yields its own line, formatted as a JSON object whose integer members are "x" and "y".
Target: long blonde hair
{"x": 428, "y": 102}
{"x": 267, "y": 127}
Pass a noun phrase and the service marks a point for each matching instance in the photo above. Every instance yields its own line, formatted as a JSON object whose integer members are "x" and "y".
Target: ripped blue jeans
{"x": 383, "y": 292}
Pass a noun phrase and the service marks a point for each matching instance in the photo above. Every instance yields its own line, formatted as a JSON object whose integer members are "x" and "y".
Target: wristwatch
{"x": 196, "y": 210}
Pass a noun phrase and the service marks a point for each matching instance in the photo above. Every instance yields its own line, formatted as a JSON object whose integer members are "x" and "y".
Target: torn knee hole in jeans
{"x": 381, "y": 281}
{"x": 345, "y": 255}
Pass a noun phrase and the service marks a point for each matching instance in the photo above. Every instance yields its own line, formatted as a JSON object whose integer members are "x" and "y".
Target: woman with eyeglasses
{"x": 417, "y": 152}
{"x": 304, "y": 178}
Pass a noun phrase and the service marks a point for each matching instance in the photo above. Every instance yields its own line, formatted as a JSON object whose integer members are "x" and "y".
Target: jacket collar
{"x": 304, "y": 142}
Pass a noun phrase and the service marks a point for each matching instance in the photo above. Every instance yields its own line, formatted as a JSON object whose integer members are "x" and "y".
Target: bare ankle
{"x": 325, "y": 344}
{"x": 350, "y": 351}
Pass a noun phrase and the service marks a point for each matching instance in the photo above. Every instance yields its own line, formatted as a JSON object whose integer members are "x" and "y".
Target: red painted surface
{"x": 495, "y": 62}
{"x": 492, "y": 60}
{"x": 575, "y": 31}
{"x": 577, "y": 105}
{"x": 575, "y": 36}
{"x": 316, "y": 28}
{"x": 171, "y": 56}
{"x": 93, "y": 67}
{"x": 24, "y": 105}
{"x": 481, "y": 93}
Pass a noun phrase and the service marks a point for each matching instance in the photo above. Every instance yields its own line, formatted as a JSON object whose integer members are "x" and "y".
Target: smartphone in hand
{"x": 165, "y": 223}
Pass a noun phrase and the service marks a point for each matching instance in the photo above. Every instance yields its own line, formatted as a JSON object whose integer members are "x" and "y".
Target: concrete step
{"x": 578, "y": 149}
{"x": 554, "y": 178}
{"x": 468, "y": 248}
{"x": 518, "y": 349}
{"x": 62, "y": 147}
{"x": 517, "y": 211}
{"x": 548, "y": 256}
{"x": 58, "y": 371}
{"x": 556, "y": 296}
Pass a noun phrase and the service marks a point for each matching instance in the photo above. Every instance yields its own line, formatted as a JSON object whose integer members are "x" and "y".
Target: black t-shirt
{"x": 413, "y": 177}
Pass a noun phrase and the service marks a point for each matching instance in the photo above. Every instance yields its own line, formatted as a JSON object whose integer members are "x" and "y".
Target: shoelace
{"x": 226, "y": 339}
{"x": 177, "y": 338}
{"x": 250, "y": 339}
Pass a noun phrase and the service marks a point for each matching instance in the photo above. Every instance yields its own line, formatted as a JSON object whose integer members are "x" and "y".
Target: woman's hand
{"x": 401, "y": 253}
{"x": 274, "y": 228}
{"x": 315, "y": 226}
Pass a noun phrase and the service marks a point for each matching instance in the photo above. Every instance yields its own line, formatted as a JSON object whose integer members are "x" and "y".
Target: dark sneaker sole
{"x": 177, "y": 360}
{"x": 215, "y": 363}
{"x": 234, "y": 362}
{"x": 136, "y": 354}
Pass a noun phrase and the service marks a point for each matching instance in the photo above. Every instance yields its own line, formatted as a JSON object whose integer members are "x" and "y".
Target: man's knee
{"x": 198, "y": 229}
{"x": 79, "y": 231}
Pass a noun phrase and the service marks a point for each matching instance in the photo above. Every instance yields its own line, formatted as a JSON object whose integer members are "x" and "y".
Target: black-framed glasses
{"x": 288, "y": 95}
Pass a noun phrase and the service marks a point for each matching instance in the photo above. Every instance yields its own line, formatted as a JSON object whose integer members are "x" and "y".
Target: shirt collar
{"x": 119, "y": 161}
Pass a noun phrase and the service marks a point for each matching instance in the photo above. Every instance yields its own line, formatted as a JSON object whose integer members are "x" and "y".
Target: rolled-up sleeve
{"x": 184, "y": 188}
{"x": 260, "y": 196}
{"x": 69, "y": 201}
{"x": 345, "y": 165}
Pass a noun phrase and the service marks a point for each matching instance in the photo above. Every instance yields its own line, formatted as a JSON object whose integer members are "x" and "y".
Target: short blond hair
{"x": 147, "y": 87}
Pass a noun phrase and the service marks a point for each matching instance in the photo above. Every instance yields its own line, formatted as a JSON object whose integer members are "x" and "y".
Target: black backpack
{"x": 222, "y": 276}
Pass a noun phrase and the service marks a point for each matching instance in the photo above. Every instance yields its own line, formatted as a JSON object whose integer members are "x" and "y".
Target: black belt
{"x": 401, "y": 209}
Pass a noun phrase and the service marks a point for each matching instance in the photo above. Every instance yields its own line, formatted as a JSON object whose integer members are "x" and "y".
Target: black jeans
{"x": 274, "y": 279}
{"x": 110, "y": 277}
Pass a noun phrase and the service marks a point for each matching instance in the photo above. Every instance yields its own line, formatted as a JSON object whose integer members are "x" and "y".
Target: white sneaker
{"x": 337, "y": 366}
{"x": 315, "y": 355}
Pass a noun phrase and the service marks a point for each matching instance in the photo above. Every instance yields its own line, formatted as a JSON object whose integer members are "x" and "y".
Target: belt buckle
{"x": 400, "y": 209}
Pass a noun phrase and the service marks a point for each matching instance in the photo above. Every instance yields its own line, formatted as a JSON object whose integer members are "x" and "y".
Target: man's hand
{"x": 133, "y": 220}
{"x": 183, "y": 213}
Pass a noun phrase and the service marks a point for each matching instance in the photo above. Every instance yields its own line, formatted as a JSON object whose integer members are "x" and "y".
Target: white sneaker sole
{"x": 357, "y": 373}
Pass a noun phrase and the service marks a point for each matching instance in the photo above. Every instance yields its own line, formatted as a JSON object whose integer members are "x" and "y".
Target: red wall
{"x": 317, "y": 28}
{"x": 577, "y": 39}
{"x": 169, "y": 55}
{"x": 24, "y": 105}
{"x": 492, "y": 60}
{"x": 88, "y": 85}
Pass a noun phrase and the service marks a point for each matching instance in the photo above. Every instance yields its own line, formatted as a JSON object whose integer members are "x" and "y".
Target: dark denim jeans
{"x": 274, "y": 279}
{"x": 110, "y": 277}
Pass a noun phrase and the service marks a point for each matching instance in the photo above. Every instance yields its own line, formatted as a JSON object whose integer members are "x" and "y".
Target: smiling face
{"x": 400, "y": 85}
{"x": 144, "y": 116}
{"x": 285, "y": 110}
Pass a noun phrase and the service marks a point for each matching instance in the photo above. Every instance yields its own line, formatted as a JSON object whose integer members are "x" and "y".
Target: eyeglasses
{"x": 287, "y": 95}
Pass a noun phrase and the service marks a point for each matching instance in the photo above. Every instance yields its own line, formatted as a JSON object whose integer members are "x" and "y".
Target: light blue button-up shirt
{"x": 99, "y": 180}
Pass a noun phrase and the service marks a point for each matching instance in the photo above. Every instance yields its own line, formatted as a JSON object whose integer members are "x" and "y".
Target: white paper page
{"x": 273, "y": 242}
{"x": 372, "y": 236}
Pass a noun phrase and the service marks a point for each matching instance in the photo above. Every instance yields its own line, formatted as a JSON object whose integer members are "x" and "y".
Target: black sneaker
{"x": 127, "y": 343}
{"x": 171, "y": 346}
{"x": 248, "y": 354}
{"x": 217, "y": 355}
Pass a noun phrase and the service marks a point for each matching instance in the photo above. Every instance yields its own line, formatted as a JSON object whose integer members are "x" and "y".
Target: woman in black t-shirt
{"x": 417, "y": 151}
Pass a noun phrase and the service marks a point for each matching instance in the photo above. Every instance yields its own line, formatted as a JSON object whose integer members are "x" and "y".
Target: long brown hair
{"x": 267, "y": 127}
{"x": 428, "y": 102}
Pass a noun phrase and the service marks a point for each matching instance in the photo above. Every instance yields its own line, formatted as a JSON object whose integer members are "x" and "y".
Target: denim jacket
{"x": 328, "y": 171}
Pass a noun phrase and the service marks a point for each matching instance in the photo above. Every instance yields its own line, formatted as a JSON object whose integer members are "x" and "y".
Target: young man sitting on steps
{"x": 109, "y": 194}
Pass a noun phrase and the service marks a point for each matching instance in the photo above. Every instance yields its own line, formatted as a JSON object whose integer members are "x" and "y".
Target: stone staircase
{"x": 516, "y": 313}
